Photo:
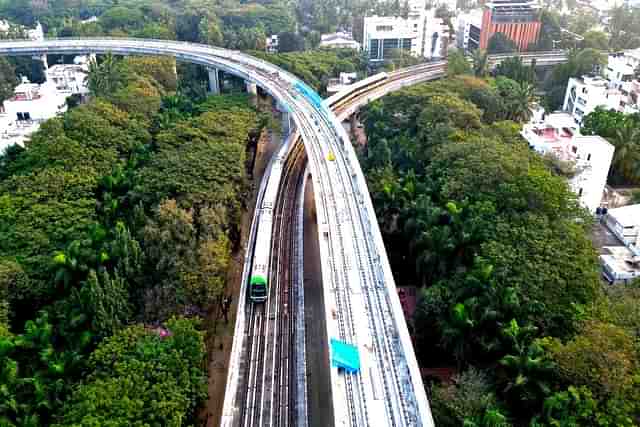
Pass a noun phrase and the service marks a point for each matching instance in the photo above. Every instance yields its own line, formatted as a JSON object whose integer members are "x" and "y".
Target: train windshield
{"x": 259, "y": 291}
{"x": 258, "y": 287}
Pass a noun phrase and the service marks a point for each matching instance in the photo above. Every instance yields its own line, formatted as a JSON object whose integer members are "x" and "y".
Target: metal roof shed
{"x": 345, "y": 356}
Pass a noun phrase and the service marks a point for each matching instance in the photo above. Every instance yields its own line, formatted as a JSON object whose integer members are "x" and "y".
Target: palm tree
{"x": 528, "y": 367}
{"x": 626, "y": 158}
{"x": 105, "y": 78}
{"x": 522, "y": 99}
{"x": 480, "y": 63}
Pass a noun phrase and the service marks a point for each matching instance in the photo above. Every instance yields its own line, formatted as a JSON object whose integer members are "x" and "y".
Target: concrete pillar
{"x": 42, "y": 58}
{"x": 214, "y": 81}
{"x": 252, "y": 88}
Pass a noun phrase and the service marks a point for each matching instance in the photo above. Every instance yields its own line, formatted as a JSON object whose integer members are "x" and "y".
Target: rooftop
{"x": 628, "y": 216}
{"x": 620, "y": 263}
{"x": 341, "y": 35}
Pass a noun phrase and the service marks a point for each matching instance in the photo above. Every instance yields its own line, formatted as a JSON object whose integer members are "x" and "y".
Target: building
{"x": 468, "y": 30}
{"x": 70, "y": 79}
{"x": 37, "y": 34}
{"x": 621, "y": 67}
{"x": 624, "y": 222}
{"x": 586, "y": 93}
{"x": 421, "y": 34}
{"x": 32, "y": 104}
{"x": 622, "y": 263}
{"x": 619, "y": 90}
{"x": 518, "y": 20}
{"x": 589, "y": 156}
{"x": 272, "y": 44}
{"x": 339, "y": 40}
{"x": 344, "y": 80}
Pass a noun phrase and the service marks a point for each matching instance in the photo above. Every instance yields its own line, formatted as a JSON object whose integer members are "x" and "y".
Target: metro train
{"x": 259, "y": 279}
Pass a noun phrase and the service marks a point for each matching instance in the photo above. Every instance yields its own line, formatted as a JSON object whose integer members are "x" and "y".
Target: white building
{"x": 90, "y": 20}
{"x": 35, "y": 102}
{"x": 31, "y": 103}
{"x": 37, "y": 34}
{"x": 622, "y": 263}
{"x": 586, "y": 93}
{"x": 591, "y": 156}
{"x": 339, "y": 40}
{"x": 624, "y": 222}
{"x": 344, "y": 80}
{"x": 619, "y": 90}
{"x": 621, "y": 67}
{"x": 468, "y": 27}
{"x": 70, "y": 79}
{"x": 421, "y": 34}
{"x": 272, "y": 44}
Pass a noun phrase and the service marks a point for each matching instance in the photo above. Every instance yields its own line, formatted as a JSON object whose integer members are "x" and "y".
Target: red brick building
{"x": 519, "y": 21}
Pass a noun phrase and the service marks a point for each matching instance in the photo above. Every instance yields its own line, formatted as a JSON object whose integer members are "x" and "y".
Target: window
{"x": 384, "y": 28}
{"x": 589, "y": 157}
{"x": 580, "y": 193}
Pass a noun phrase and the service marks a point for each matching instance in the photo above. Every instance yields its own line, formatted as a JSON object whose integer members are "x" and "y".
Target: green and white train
{"x": 260, "y": 265}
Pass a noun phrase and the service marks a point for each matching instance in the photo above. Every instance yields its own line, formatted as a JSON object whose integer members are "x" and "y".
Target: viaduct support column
{"x": 252, "y": 90}
{"x": 214, "y": 81}
{"x": 42, "y": 58}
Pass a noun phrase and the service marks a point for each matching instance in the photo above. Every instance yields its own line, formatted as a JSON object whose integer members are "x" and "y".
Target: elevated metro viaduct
{"x": 354, "y": 261}
{"x": 414, "y": 404}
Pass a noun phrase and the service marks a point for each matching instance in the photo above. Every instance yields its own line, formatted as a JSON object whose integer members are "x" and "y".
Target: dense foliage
{"x": 500, "y": 250}
{"x": 117, "y": 222}
{"x": 623, "y": 131}
{"x": 579, "y": 63}
{"x": 316, "y": 67}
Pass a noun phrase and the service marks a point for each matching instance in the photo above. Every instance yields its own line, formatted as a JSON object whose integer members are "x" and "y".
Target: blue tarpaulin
{"x": 345, "y": 356}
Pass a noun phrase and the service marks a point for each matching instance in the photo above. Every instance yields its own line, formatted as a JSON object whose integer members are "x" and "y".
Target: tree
{"x": 290, "y": 42}
{"x": 549, "y": 30}
{"x": 514, "y": 69}
{"x": 626, "y": 157}
{"x": 596, "y": 40}
{"x": 121, "y": 17}
{"x": 142, "y": 377}
{"x": 468, "y": 400}
{"x": 500, "y": 43}
{"x": 106, "y": 77}
{"x": 457, "y": 64}
{"x": 579, "y": 62}
{"x": 480, "y": 63}
{"x": 8, "y": 79}
{"x": 581, "y": 22}
{"x": 523, "y": 98}
{"x": 622, "y": 131}
{"x": 602, "y": 357}
{"x": 161, "y": 70}
{"x": 527, "y": 366}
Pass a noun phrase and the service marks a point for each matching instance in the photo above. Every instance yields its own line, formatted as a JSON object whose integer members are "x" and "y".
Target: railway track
{"x": 269, "y": 396}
